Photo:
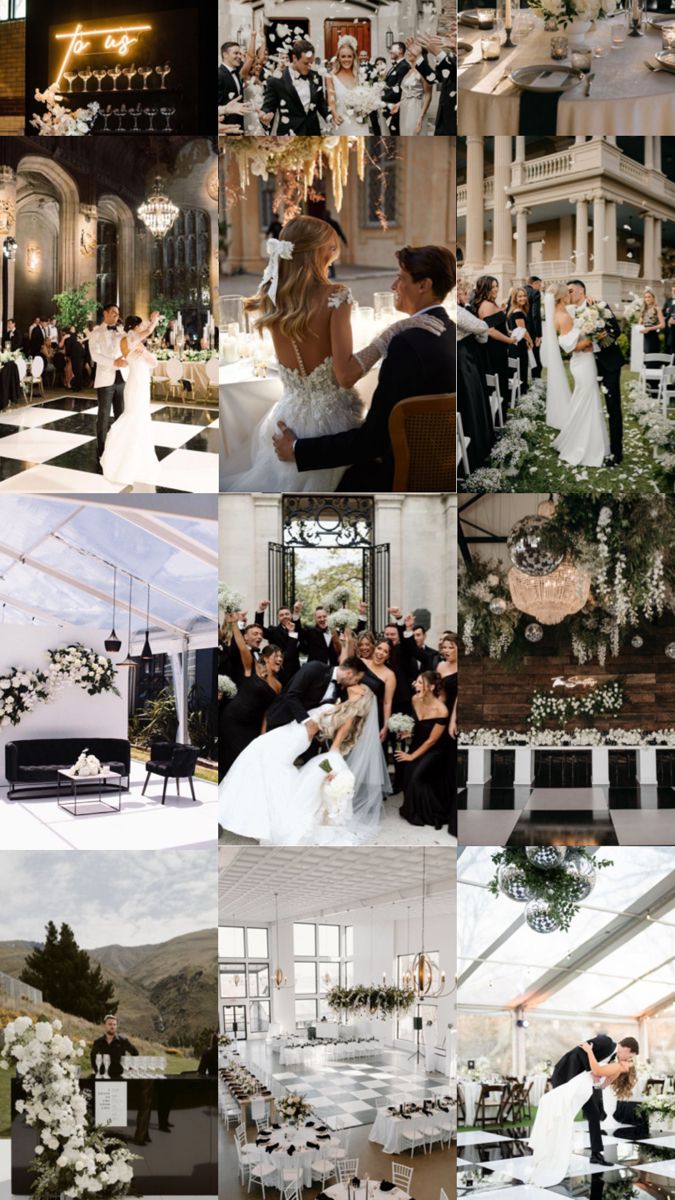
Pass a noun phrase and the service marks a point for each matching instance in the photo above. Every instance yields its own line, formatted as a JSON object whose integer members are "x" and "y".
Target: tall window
{"x": 428, "y": 1012}
{"x": 180, "y": 267}
{"x": 243, "y": 952}
{"x": 106, "y": 262}
{"x": 323, "y": 959}
{"x": 12, "y": 10}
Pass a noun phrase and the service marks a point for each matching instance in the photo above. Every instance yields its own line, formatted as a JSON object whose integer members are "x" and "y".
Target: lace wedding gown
{"x": 264, "y": 796}
{"x": 350, "y": 126}
{"x": 311, "y": 405}
{"x": 129, "y": 452}
{"x": 583, "y": 439}
{"x": 552, "y": 1137}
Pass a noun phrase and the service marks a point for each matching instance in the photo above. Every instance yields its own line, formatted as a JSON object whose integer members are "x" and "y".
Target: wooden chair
{"x": 492, "y": 1103}
{"x": 422, "y": 432}
{"x": 655, "y": 1085}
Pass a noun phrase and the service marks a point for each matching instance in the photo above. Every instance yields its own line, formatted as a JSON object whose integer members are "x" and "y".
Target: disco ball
{"x": 497, "y": 606}
{"x": 534, "y": 547}
{"x": 582, "y": 870}
{"x": 670, "y": 649}
{"x": 637, "y": 642}
{"x": 534, "y": 632}
{"x": 546, "y": 857}
{"x": 512, "y": 883}
{"x": 538, "y": 917}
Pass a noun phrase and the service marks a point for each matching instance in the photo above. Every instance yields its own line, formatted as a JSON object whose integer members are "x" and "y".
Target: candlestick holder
{"x": 635, "y": 30}
{"x": 507, "y": 41}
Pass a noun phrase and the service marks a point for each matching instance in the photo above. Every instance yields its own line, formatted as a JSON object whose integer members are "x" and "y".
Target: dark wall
{"x": 12, "y": 68}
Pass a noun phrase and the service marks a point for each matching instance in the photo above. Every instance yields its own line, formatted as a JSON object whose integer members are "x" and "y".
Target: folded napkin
{"x": 313, "y": 1145}
{"x": 321, "y": 1129}
{"x": 290, "y": 1149}
{"x": 274, "y": 1146}
{"x": 276, "y": 1126}
{"x": 356, "y": 1182}
{"x": 323, "y": 1137}
{"x": 309, "y": 1124}
{"x": 386, "y": 1186}
{"x": 405, "y": 1116}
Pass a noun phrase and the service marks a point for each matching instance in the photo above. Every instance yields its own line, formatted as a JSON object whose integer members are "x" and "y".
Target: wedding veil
{"x": 557, "y": 387}
{"x": 368, "y": 765}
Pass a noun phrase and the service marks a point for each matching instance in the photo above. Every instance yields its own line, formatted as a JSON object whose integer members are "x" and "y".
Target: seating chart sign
{"x": 110, "y": 1104}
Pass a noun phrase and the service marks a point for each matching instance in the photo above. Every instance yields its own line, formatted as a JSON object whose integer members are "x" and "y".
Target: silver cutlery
{"x": 499, "y": 82}
{"x": 589, "y": 80}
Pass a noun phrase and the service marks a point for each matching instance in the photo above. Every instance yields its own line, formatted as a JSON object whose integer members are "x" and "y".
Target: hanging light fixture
{"x": 278, "y": 977}
{"x": 112, "y": 642}
{"x": 428, "y": 982}
{"x": 550, "y": 598}
{"x": 146, "y": 652}
{"x": 406, "y": 980}
{"x": 128, "y": 661}
{"x": 158, "y": 213}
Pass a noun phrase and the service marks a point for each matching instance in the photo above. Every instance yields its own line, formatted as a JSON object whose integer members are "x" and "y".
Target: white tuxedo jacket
{"x": 104, "y": 347}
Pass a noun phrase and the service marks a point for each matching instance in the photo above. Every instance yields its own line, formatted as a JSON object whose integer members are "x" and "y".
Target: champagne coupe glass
{"x": 70, "y": 77}
{"x": 167, "y": 113}
{"x": 145, "y": 72}
{"x": 106, "y": 1066}
{"x": 121, "y": 128}
{"x": 99, "y": 1063}
{"x": 163, "y": 72}
{"x": 85, "y": 75}
{"x": 150, "y": 113}
{"x": 135, "y": 114}
{"x": 130, "y": 72}
{"x": 100, "y": 75}
{"x": 114, "y": 73}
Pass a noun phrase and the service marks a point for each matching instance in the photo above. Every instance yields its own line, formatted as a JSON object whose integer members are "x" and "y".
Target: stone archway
{"x": 65, "y": 188}
{"x": 113, "y": 209}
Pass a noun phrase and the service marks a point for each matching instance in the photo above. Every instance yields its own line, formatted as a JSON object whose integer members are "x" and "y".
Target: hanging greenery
{"x": 606, "y": 698}
{"x": 373, "y": 1001}
{"x": 556, "y": 886}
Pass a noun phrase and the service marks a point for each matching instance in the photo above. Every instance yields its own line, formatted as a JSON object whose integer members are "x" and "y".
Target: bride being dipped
{"x": 309, "y": 320}
{"x": 265, "y": 796}
{"x": 583, "y": 439}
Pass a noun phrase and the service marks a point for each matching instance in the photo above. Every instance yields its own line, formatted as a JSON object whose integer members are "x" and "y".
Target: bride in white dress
{"x": 265, "y": 796}
{"x": 583, "y": 439}
{"x": 343, "y": 79}
{"x": 552, "y": 1137}
{"x": 309, "y": 320}
{"x": 129, "y": 453}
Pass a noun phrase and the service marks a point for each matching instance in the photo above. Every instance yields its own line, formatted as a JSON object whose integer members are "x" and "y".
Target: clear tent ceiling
{"x": 57, "y": 557}
{"x": 630, "y": 953}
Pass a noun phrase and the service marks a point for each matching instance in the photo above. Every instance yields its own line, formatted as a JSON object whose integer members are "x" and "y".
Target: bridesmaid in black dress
{"x": 473, "y": 402}
{"x": 485, "y": 307}
{"x": 447, "y": 670}
{"x": 380, "y": 678}
{"x": 244, "y": 715}
{"x": 426, "y": 784}
{"x": 517, "y": 316}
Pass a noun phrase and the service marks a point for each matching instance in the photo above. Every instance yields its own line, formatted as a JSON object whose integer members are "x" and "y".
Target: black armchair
{"x": 172, "y": 760}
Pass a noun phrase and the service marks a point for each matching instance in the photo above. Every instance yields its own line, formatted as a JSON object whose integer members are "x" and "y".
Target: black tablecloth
{"x": 10, "y": 385}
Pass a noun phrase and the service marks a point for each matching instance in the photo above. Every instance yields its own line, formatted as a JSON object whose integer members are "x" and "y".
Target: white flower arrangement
{"x": 633, "y": 310}
{"x": 592, "y": 319}
{"x": 496, "y": 738}
{"x": 337, "y": 792}
{"x": 226, "y": 686}
{"x": 294, "y": 1108}
{"x": 87, "y": 764}
{"x": 7, "y": 356}
{"x": 343, "y": 618}
{"x": 564, "y": 12}
{"x": 364, "y": 100}
{"x": 20, "y": 691}
{"x": 79, "y": 666}
{"x": 605, "y": 698}
{"x": 401, "y": 725}
{"x": 229, "y": 601}
{"x": 73, "y": 1159}
{"x": 60, "y": 121}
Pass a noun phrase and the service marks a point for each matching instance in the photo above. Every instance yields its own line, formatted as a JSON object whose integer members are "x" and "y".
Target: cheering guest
{"x": 113, "y": 1045}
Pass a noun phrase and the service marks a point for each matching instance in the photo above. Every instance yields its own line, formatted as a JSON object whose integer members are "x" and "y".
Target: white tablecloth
{"x": 193, "y": 372}
{"x": 626, "y": 98}
{"x": 637, "y": 349}
{"x": 339, "y": 1192}
{"x": 388, "y": 1128}
{"x": 470, "y": 1091}
{"x": 287, "y": 1136}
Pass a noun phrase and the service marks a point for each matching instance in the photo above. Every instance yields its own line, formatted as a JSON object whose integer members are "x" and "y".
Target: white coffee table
{"x": 68, "y": 779}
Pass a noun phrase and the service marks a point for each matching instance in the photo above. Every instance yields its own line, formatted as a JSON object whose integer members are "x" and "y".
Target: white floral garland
{"x": 76, "y": 666}
{"x": 657, "y": 427}
{"x": 541, "y": 738}
{"x": 60, "y": 121}
{"x": 605, "y": 698}
{"x": 73, "y": 1159}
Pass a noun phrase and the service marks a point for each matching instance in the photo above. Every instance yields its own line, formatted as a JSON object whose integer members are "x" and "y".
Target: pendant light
{"x": 112, "y": 642}
{"x": 278, "y": 976}
{"x": 427, "y": 982}
{"x": 146, "y": 652}
{"x": 128, "y": 661}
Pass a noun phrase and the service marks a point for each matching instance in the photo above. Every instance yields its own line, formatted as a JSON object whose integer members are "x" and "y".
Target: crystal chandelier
{"x": 550, "y": 598}
{"x": 158, "y": 212}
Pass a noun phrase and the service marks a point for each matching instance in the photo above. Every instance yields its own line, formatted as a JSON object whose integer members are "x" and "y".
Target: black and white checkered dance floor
{"x": 346, "y": 1095}
{"x": 51, "y": 447}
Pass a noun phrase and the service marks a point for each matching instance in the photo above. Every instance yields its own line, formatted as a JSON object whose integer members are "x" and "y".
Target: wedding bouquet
{"x": 87, "y": 764}
{"x": 229, "y": 601}
{"x": 226, "y": 686}
{"x": 294, "y": 1107}
{"x": 402, "y": 726}
{"x": 364, "y": 100}
{"x": 343, "y": 618}
{"x": 592, "y": 321}
{"x": 338, "y": 793}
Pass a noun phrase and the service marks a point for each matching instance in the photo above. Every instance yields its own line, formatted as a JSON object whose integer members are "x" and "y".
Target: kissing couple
{"x": 124, "y": 438}
{"x": 321, "y": 436}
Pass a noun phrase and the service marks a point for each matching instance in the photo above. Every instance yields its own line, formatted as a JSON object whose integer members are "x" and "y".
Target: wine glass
{"x": 130, "y": 72}
{"x": 144, "y": 72}
{"x": 100, "y": 75}
{"x": 99, "y": 1063}
{"x": 163, "y": 72}
{"x": 114, "y": 73}
{"x": 85, "y": 75}
{"x": 106, "y": 1066}
{"x": 150, "y": 113}
{"x": 167, "y": 113}
{"x": 70, "y": 77}
{"x": 135, "y": 114}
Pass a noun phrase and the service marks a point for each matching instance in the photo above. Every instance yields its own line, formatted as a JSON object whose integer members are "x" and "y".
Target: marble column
{"x": 598, "y": 234}
{"x": 581, "y": 259}
{"x": 658, "y": 229}
{"x": 648, "y": 249}
{"x": 657, "y": 153}
{"x": 610, "y": 233}
{"x": 475, "y": 211}
{"x": 520, "y": 150}
{"x": 521, "y": 244}
{"x": 502, "y": 259}
{"x": 649, "y": 153}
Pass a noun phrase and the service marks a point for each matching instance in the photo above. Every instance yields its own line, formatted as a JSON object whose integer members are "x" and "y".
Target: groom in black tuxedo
{"x": 392, "y": 85}
{"x": 609, "y": 361}
{"x": 297, "y": 96}
{"x": 418, "y": 363}
{"x": 230, "y": 86}
{"x": 314, "y": 684}
{"x": 575, "y": 1062}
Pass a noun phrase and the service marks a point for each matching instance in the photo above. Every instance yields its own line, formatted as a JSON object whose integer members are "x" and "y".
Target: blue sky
{"x": 128, "y": 898}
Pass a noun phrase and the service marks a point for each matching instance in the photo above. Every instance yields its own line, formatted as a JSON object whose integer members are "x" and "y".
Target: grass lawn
{"x": 209, "y": 774}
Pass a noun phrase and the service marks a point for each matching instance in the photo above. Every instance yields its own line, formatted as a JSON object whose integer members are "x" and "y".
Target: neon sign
{"x": 98, "y": 41}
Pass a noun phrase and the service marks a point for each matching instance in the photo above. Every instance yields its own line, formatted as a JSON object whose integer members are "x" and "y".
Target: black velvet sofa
{"x": 31, "y": 765}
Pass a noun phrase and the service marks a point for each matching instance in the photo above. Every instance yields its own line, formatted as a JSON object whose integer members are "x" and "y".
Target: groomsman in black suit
{"x": 418, "y": 363}
{"x": 535, "y": 329}
{"x": 230, "y": 86}
{"x": 669, "y": 318}
{"x": 392, "y": 84}
{"x": 296, "y": 96}
{"x": 13, "y": 336}
{"x": 317, "y": 641}
{"x": 253, "y": 636}
{"x": 444, "y": 75}
{"x": 285, "y": 635}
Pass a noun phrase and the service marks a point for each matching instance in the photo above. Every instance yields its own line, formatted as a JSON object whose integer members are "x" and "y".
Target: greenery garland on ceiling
{"x": 546, "y": 875}
{"x": 372, "y": 1000}
{"x": 627, "y": 546}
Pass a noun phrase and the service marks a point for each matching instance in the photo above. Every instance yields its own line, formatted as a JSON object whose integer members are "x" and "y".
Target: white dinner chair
{"x": 347, "y": 1169}
{"x": 401, "y": 1176}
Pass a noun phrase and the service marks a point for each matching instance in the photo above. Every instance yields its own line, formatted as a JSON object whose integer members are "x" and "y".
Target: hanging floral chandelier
{"x": 158, "y": 213}
{"x": 550, "y": 598}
